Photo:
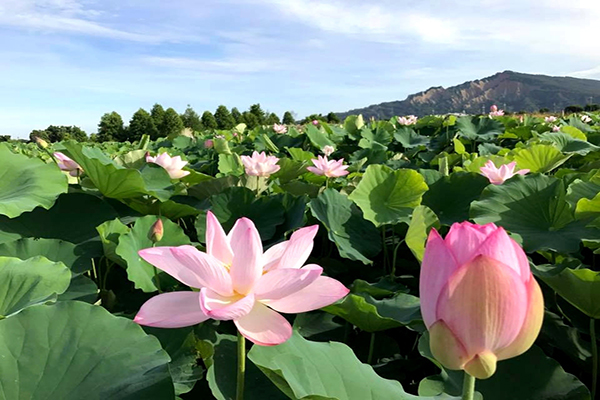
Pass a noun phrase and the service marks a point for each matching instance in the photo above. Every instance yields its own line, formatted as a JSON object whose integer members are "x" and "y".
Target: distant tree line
{"x": 160, "y": 123}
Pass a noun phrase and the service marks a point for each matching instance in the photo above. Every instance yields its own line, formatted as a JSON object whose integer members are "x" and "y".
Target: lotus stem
{"x": 371, "y": 349}
{"x": 594, "y": 357}
{"x": 241, "y": 370}
{"x": 468, "y": 387}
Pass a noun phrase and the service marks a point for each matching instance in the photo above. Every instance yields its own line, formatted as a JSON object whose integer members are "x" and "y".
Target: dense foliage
{"x": 72, "y": 278}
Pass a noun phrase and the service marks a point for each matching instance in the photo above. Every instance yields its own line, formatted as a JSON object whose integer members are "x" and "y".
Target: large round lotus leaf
{"x": 580, "y": 287}
{"x": 386, "y": 196}
{"x": 73, "y": 218}
{"x": 479, "y": 128}
{"x": 539, "y": 158}
{"x": 309, "y": 370}
{"x": 355, "y": 237}
{"x": 139, "y": 271}
{"x": 534, "y": 208}
{"x": 74, "y": 351}
{"x": 530, "y": 376}
{"x": 26, "y": 183}
{"x": 27, "y": 282}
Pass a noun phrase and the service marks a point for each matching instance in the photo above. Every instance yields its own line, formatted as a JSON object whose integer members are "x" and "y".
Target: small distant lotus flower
{"x": 315, "y": 122}
{"x": 494, "y": 112}
{"x": 66, "y": 164}
{"x": 208, "y": 143}
{"x": 408, "y": 120}
{"x": 279, "y": 128}
{"x": 173, "y": 165}
{"x": 329, "y": 168}
{"x": 555, "y": 128}
{"x": 550, "y": 118}
{"x": 479, "y": 300}
{"x": 260, "y": 164}
{"x": 239, "y": 282}
{"x": 497, "y": 176}
{"x": 328, "y": 150}
{"x": 586, "y": 119}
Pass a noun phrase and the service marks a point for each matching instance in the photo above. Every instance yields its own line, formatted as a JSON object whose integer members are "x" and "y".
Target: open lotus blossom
{"x": 239, "y": 282}
{"x": 260, "y": 164}
{"x": 586, "y": 119}
{"x": 328, "y": 150}
{"x": 479, "y": 300}
{"x": 408, "y": 120}
{"x": 279, "y": 128}
{"x": 550, "y": 118}
{"x": 494, "y": 112}
{"x": 497, "y": 176}
{"x": 329, "y": 168}
{"x": 173, "y": 165}
{"x": 555, "y": 128}
{"x": 68, "y": 165}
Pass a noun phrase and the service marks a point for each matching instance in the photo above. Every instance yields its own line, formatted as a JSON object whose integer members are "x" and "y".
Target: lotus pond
{"x": 369, "y": 260}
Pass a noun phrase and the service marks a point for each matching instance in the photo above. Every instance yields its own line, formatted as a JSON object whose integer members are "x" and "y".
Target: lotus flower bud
{"x": 479, "y": 300}
{"x": 41, "y": 142}
{"x": 156, "y": 231}
{"x": 208, "y": 143}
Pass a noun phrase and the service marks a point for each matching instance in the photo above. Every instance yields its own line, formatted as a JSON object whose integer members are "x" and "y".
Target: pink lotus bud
{"x": 328, "y": 150}
{"x": 41, "y": 142}
{"x": 555, "y": 128}
{"x": 315, "y": 122}
{"x": 497, "y": 176}
{"x": 329, "y": 168}
{"x": 494, "y": 108}
{"x": 260, "y": 164}
{"x": 68, "y": 165}
{"x": 479, "y": 300}
{"x": 156, "y": 231}
{"x": 208, "y": 144}
{"x": 173, "y": 165}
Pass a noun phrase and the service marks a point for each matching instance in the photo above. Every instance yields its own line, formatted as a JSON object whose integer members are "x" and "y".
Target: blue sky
{"x": 66, "y": 62}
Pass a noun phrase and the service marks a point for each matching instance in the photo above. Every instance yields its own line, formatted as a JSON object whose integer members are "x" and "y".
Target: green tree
{"x": 39, "y": 133}
{"x": 172, "y": 124}
{"x": 224, "y": 118}
{"x": 258, "y": 113}
{"x": 208, "y": 120}
{"x": 4, "y": 138}
{"x": 110, "y": 127}
{"x": 250, "y": 120}
{"x": 333, "y": 118}
{"x": 271, "y": 119}
{"x": 141, "y": 123}
{"x": 191, "y": 119}
{"x": 158, "y": 115}
{"x": 237, "y": 115}
{"x": 77, "y": 133}
{"x": 288, "y": 118}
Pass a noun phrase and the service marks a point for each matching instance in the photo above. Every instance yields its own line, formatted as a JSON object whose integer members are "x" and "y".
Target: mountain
{"x": 511, "y": 91}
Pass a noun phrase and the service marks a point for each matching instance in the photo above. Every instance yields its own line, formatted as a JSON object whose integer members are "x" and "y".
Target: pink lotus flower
{"x": 173, "y": 165}
{"x": 479, "y": 300}
{"x": 328, "y": 150}
{"x": 315, "y": 122}
{"x": 68, "y": 165}
{"x": 497, "y": 176}
{"x": 329, "y": 168}
{"x": 260, "y": 164}
{"x": 239, "y": 282}
{"x": 586, "y": 119}
{"x": 550, "y": 118}
{"x": 209, "y": 144}
{"x": 494, "y": 112}
{"x": 555, "y": 128}
{"x": 408, "y": 120}
{"x": 279, "y": 128}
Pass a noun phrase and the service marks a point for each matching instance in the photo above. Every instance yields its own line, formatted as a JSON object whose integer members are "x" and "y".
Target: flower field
{"x": 441, "y": 257}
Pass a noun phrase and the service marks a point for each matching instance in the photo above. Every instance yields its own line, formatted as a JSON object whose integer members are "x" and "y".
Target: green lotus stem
{"x": 384, "y": 247}
{"x": 371, "y": 348}
{"x": 241, "y": 367}
{"x": 395, "y": 255}
{"x": 468, "y": 387}
{"x": 594, "y": 357}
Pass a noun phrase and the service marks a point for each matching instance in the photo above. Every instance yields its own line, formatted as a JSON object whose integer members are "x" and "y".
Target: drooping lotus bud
{"x": 479, "y": 300}
{"x": 156, "y": 231}
{"x": 41, "y": 142}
